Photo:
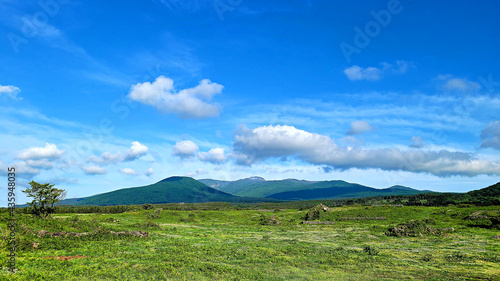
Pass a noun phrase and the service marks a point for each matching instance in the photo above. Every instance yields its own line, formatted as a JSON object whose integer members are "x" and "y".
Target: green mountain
{"x": 169, "y": 190}
{"x": 256, "y": 186}
{"x": 292, "y": 189}
{"x": 482, "y": 197}
{"x": 340, "y": 190}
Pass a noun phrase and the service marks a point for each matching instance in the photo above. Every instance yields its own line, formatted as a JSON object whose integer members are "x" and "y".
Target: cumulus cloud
{"x": 214, "y": 156}
{"x": 94, "y": 170}
{"x": 356, "y": 73}
{"x": 490, "y": 136}
{"x": 185, "y": 149}
{"x": 417, "y": 142}
{"x": 277, "y": 141}
{"x": 136, "y": 151}
{"x": 253, "y": 145}
{"x": 359, "y": 127}
{"x": 128, "y": 171}
{"x": 10, "y": 92}
{"x": 187, "y": 103}
{"x": 461, "y": 85}
{"x": 49, "y": 151}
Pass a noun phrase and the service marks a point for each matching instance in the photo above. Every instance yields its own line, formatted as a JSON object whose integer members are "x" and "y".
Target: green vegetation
{"x": 188, "y": 190}
{"x": 340, "y": 189}
{"x": 170, "y": 190}
{"x": 45, "y": 197}
{"x": 291, "y": 189}
{"x": 222, "y": 241}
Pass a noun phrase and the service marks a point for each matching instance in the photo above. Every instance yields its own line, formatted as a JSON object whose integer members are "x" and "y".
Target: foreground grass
{"x": 233, "y": 245}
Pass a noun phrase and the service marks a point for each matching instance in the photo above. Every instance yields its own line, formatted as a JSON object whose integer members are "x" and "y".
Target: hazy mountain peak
{"x": 254, "y": 178}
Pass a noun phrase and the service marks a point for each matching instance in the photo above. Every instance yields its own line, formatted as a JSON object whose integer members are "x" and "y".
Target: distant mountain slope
{"x": 233, "y": 187}
{"x": 169, "y": 190}
{"x": 292, "y": 189}
{"x": 482, "y": 197}
{"x": 340, "y": 190}
{"x": 256, "y": 186}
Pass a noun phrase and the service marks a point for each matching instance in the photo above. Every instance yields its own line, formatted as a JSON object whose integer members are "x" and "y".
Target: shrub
{"x": 416, "y": 228}
{"x": 156, "y": 214}
{"x": 147, "y": 206}
{"x": 315, "y": 212}
{"x": 372, "y": 251}
{"x": 269, "y": 220}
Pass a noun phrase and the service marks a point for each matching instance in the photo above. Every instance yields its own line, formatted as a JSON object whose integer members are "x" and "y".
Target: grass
{"x": 234, "y": 245}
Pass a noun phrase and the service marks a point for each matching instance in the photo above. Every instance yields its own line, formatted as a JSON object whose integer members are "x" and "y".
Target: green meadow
{"x": 232, "y": 243}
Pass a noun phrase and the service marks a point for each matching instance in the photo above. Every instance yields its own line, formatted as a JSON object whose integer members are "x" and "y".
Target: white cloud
{"x": 94, "y": 170}
{"x": 105, "y": 158}
{"x": 255, "y": 145}
{"x": 10, "y": 91}
{"x": 417, "y": 142}
{"x": 185, "y": 149}
{"x": 214, "y": 156}
{"x": 359, "y": 127}
{"x": 187, "y": 103}
{"x": 277, "y": 141}
{"x": 355, "y": 72}
{"x": 490, "y": 136}
{"x": 128, "y": 171}
{"x": 24, "y": 170}
{"x": 461, "y": 85}
{"x": 136, "y": 151}
{"x": 49, "y": 151}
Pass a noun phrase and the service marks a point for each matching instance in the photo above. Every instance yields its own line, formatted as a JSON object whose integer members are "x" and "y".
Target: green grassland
{"x": 240, "y": 244}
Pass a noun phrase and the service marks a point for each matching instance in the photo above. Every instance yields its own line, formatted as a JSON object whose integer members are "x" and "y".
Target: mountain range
{"x": 292, "y": 189}
{"x": 254, "y": 189}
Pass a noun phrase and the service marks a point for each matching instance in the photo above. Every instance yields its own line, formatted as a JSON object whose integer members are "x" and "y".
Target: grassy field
{"x": 240, "y": 245}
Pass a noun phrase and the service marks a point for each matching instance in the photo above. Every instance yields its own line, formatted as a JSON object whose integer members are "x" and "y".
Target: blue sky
{"x": 96, "y": 96}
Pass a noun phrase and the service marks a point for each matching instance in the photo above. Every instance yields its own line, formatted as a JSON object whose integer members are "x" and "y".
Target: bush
{"x": 269, "y": 220}
{"x": 372, "y": 251}
{"x": 416, "y": 228}
{"x": 315, "y": 212}
{"x": 147, "y": 206}
{"x": 156, "y": 214}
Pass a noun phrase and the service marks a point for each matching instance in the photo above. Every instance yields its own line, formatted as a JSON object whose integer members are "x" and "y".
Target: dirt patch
{"x": 65, "y": 258}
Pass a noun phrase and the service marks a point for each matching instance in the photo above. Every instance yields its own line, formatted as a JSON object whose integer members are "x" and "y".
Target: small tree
{"x": 45, "y": 197}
